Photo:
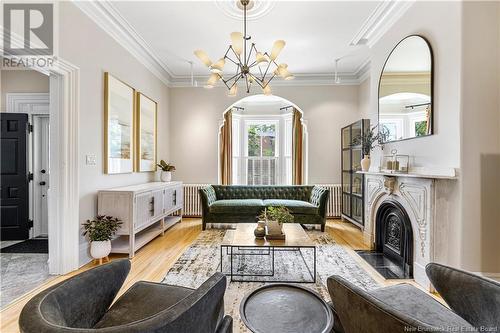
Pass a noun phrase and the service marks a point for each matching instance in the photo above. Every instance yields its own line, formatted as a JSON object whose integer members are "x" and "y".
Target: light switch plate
{"x": 90, "y": 159}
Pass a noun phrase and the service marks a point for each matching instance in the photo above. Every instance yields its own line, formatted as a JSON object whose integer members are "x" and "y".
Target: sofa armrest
{"x": 208, "y": 197}
{"x": 319, "y": 198}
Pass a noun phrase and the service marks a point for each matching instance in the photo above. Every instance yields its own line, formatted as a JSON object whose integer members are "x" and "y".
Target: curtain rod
{"x": 286, "y": 107}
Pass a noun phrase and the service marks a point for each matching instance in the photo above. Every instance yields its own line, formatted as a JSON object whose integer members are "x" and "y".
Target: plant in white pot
{"x": 368, "y": 141}
{"x": 275, "y": 217}
{"x": 166, "y": 171}
{"x": 100, "y": 231}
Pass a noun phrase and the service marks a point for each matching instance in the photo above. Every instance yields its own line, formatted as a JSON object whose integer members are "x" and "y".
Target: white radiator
{"x": 192, "y": 202}
{"x": 333, "y": 207}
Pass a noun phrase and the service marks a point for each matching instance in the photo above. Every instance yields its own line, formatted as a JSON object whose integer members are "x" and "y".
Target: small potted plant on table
{"x": 166, "y": 171}
{"x": 100, "y": 231}
{"x": 275, "y": 217}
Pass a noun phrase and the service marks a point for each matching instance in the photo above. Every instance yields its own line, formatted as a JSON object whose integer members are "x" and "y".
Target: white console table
{"x": 145, "y": 210}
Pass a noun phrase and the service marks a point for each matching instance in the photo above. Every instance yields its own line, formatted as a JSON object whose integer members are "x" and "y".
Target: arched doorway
{"x": 268, "y": 142}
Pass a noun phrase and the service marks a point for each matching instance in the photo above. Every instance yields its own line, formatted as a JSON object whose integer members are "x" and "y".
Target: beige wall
{"x": 21, "y": 81}
{"x": 85, "y": 45}
{"x": 364, "y": 98}
{"x": 480, "y": 141}
{"x": 197, "y": 112}
{"x": 443, "y": 148}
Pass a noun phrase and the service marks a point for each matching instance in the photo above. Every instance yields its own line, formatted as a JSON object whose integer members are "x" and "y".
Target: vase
{"x": 100, "y": 249}
{"x": 365, "y": 163}
{"x": 260, "y": 230}
{"x": 274, "y": 228}
{"x": 166, "y": 176}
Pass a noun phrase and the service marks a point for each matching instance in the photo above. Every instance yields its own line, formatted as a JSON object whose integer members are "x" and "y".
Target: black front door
{"x": 14, "y": 177}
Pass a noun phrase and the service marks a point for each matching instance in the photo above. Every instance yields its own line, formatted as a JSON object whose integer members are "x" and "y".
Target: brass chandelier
{"x": 251, "y": 67}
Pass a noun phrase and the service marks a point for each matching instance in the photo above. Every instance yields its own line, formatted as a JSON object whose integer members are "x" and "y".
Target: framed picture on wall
{"x": 146, "y": 118}
{"x": 119, "y": 105}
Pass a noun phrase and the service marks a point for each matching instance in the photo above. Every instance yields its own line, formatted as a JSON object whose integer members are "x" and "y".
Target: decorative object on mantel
{"x": 260, "y": 64}
{"x": 395, "y": 163}
{"x": 368, "y": 141}
{"x": 166, "y": 171}
{"x": 100, "y": 231}
{"x": 275, "y": 217}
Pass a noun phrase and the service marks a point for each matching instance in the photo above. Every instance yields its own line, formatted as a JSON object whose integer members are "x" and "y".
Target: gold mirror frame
{"x": 118, "y": 159}
{"x": 147, "y": 105}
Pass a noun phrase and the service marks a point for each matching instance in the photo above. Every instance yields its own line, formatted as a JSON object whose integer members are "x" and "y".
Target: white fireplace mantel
{"x": 416, "y": 192}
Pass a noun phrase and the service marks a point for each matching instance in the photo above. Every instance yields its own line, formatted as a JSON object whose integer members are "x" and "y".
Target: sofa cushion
{"x": 142, "y": 300}
{"x": 295, "y": 206}
{"x": 237, "y": 206}
{"x": 416, "y": 304}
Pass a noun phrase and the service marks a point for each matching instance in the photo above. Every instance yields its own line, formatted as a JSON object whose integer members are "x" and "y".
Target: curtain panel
{"x": 226, "y": 149}
{"x": 297, "y": 149}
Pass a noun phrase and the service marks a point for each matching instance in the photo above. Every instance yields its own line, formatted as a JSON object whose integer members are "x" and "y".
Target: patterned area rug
{"x": 202, "y": 259}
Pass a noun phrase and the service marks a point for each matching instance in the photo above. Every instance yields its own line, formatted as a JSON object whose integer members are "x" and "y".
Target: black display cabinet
{"x": 353, "y": 200}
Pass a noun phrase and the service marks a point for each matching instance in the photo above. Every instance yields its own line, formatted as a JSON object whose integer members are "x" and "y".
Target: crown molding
{"x": 380, "y": 21}
{"x": 108, "y": 18}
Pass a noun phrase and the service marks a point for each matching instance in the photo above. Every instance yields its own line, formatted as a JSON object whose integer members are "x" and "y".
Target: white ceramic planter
{"x": 100, "y": 249}
{"x": 274, "y": 228}
{"x": 166, "y": 176}
{"x": 365, "y": 163}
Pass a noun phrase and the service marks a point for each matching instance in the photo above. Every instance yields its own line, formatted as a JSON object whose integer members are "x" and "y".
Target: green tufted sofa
{"x": 242, "y": 204}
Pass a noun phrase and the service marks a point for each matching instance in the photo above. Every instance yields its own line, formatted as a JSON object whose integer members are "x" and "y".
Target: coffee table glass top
{"x": 243, "y": 236}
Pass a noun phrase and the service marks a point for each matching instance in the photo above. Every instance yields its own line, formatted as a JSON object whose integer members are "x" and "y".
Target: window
{"x": 262, "y": 150}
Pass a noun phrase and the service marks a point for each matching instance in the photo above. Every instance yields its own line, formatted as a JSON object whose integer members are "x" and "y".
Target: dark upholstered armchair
{"x": 81, "y": 304}
{"x": 474, "y": 303}
{"x": 472, "y": 297}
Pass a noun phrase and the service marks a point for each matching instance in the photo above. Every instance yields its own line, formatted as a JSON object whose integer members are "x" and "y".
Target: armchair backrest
{"x": 359, "y": 311}
{"x": 79, "y": 302}
{"x": 472, "y": 297}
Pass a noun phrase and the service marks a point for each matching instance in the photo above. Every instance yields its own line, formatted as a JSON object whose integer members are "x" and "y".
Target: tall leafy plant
{"x": 102, "y": 228}
{"x": 370, "y": 139}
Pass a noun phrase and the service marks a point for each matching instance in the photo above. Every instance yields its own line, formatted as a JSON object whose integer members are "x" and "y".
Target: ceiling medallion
{"x": 255, "y": 9}
{"x": 251, "y": 65}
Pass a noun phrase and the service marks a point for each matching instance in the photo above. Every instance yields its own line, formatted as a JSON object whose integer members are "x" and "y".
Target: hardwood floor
{"x": 153, "y": 261}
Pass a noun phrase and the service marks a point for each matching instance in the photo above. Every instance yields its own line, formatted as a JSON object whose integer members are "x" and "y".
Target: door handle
{"x": 42, "y": 183}
{"x": 43, "y": 171}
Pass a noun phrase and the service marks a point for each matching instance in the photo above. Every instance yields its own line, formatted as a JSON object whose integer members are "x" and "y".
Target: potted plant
{"x": 275, "y": 217}
{"x": 100, "y": 231}
{"x": 166, "y": 171}
{"x": 368, "y": 141}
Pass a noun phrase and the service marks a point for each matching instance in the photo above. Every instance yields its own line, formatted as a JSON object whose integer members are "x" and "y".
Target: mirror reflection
{"x": 405, "y": 91}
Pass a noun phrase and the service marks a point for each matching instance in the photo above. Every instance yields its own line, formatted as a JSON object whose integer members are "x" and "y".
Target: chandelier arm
{"x": 232, "y": 77}
{"x": 248, "y": 87}
{"x": 250, "y": 53}
{"x": 234, "y": 62}
{"x": 236, "y": 54}
{"x": 272, "y": 77}
{"x": 257, "y": 80}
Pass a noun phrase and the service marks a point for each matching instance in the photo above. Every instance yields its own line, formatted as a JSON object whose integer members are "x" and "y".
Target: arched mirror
{"x": 405, "y": 91}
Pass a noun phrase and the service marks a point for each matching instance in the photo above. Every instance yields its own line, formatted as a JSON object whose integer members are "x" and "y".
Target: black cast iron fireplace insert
{"x": 393, "y": 255}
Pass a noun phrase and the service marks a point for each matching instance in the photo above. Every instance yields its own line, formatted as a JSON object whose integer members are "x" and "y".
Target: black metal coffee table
{"x": 286, "y": 308}
{"x": 242, "y": 242}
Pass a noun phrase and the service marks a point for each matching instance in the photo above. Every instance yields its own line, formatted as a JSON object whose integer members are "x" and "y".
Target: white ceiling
{"x": 316, "y": 32}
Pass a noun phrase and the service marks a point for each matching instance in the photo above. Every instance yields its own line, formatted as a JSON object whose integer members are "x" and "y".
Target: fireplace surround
{"x": 409, "y": 202}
